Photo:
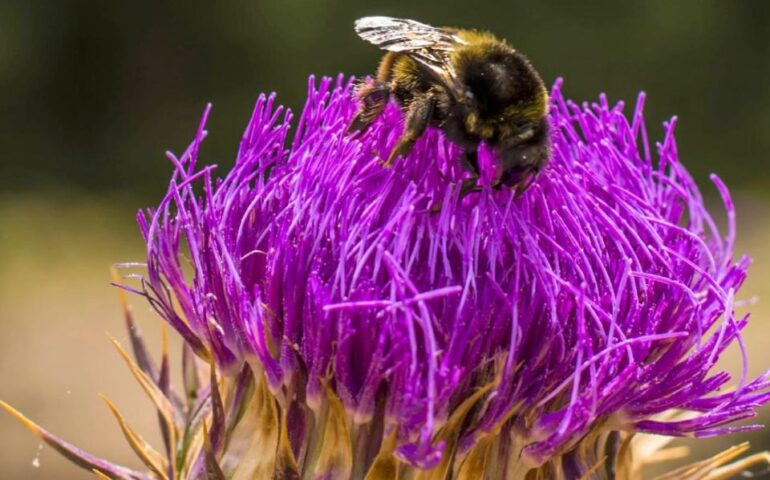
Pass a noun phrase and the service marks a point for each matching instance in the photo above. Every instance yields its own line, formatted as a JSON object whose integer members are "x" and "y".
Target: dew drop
{"x": 36, "y": 460}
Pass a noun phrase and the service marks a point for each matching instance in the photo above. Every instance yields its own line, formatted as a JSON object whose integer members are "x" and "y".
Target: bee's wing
{"x": 429, "y": 46}
{"x": 403, "y": 35}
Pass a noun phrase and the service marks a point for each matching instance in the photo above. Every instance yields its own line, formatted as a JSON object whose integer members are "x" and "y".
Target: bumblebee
{"x": 473, "y": 86}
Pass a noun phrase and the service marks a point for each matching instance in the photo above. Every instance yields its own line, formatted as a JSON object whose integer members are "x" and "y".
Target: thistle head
{"x": 342, "y": 320}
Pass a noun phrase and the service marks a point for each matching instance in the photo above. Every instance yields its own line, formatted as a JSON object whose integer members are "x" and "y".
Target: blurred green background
{"x": 93, "y": 92}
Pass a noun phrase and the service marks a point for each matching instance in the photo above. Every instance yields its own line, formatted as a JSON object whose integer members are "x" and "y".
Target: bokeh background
{"x": 92, "y": 93}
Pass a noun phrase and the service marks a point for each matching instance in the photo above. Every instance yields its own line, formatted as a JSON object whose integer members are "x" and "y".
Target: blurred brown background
{"x": 92, "y": 93}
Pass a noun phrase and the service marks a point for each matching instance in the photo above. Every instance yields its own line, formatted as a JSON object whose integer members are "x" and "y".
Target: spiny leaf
{"x": 704, "y": 469}
{"x": 336, "y": 458}
{"x": 285, "y": 464}
{"x": 450, "y": 433}
{"x": 192, "y": 463}
{"x": 144, "y": 450}
{"x": 474, "y": 465}
{"x": 164, "y": 377}
{"x": 252, "y": 443}
{"x": 236, "y": 396}
{"x": 164, "y": 384}
{"x": 164, "y": 406}
{"x": 213, "y": 470}
{"x": 385, "y": 464}
{"x": 732, "y": 469}
{"x": 74, "y": 454}
{"x": 142, "y": 355}
{"x": 217, "y": 411}
{"x": 595, "y": 468}
{"x": 624, "y": 467}
{"x": 189, "y": 375}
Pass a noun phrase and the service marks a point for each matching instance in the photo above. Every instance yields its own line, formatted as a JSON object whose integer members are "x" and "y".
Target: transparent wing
{"x": 404, "y": 35}
{"x": 429, "y": 46}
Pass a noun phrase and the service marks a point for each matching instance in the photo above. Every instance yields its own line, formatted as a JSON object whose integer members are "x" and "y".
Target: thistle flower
{"x": 362, "y": 322}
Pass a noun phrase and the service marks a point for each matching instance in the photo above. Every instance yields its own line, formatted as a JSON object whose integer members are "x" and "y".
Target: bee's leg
{"x": 418, "y": 117}
{"x": 374, "y": 96}
{"x": 471, "y": 160}
{"x": 469, "y": 185}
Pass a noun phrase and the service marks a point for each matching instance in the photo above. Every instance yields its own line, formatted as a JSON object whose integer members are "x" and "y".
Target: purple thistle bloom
{"x": 596, "y": 302}
{"x": 368, "y": 323}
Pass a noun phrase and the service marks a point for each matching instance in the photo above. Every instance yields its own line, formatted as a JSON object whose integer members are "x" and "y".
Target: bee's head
{"x": 521, "y": 160}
